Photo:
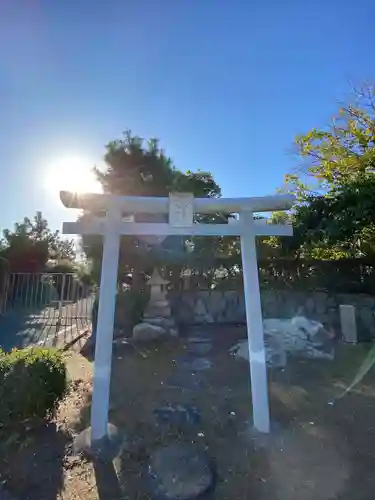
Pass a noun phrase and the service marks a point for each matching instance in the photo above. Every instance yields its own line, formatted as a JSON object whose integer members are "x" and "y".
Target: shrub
{"x": 32, "y": 382}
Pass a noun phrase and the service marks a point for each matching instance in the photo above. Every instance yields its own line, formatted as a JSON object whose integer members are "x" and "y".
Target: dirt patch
{"x": 320, "y": 448}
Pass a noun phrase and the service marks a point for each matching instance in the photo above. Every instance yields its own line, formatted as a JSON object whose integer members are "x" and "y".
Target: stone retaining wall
{"x": 228, "y": 307}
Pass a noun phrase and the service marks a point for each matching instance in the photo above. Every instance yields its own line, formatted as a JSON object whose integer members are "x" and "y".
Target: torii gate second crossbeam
{"x": 181, "y": 209}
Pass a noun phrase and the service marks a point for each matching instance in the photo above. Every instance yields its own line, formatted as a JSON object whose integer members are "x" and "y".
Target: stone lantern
{"x": 158, "y": 291}
{"x": 157, "y": 319}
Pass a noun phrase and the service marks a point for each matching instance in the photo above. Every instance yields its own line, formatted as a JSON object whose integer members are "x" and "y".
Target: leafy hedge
{"x": 32, "y": 382}
{"x": 350, "y": 275}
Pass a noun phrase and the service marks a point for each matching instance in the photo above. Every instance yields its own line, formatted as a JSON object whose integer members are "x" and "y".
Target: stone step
{"x": 199, "y": 348}
{"x": 177, "y": 415}
{"x": 193, "y": 364}
{"x": 185, "y": 381}
{"x": 180, "y": 472}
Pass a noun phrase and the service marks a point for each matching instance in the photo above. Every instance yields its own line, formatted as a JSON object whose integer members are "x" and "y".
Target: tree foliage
{"x": 31, "y": 243}
{"x": 341, "y": 220}
{"x": 336, "y": 220}
{"x": 346, "y": 149}
{"x": 136, "y": 167}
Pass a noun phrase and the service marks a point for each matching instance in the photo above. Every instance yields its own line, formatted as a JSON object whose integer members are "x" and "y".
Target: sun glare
{"x": 71, "y": 174}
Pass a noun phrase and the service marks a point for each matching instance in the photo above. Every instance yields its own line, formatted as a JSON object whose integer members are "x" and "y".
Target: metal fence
{"x": 55, "y": 300}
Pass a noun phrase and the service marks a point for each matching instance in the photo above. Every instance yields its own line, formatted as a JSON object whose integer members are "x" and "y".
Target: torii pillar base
{"x": 262, "y": 440}
{"x": 105, "y": 449}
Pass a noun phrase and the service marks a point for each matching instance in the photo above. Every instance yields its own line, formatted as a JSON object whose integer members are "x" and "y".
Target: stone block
{"x": 332, "y": 301}
{"x": 366, "y": 315}
{"x": 201, "y": 314}
{"x": 269, "y": 310}
{"x": 291, "y": 307}
{"x": 217, "y": 305}
{"x": 146, "y": 332}
{"x": 348, "y": 323}
{"x": 310, "y": 306}
{"x": 367, "y": 301}
{"x": 320, "y": 302}
{"x": 347, "y": 299}
{"x": 179, "y": 415}
{"x": 232, "y": 303}
{"x": 180, "y": 472}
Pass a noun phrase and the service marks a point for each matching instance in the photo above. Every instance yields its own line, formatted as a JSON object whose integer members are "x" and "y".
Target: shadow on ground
{"x": 27, "y": 329}
{"x": 107, "y": 483}
{"x": 35, "y": 467}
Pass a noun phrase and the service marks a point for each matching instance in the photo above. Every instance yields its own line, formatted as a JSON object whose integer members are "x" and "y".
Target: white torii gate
{"x": 181, "y": 208}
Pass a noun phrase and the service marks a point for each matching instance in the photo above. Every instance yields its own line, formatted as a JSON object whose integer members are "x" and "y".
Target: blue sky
{"x": 225, "y": 85}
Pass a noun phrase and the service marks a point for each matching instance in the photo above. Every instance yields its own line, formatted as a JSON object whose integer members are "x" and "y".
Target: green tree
{"x": 340, "y": 223}
{"x": 334, "y": 216}
{"x": 346, "y": 148}
{"x": 141, "y": 168}
{"x": 32, "y": 243}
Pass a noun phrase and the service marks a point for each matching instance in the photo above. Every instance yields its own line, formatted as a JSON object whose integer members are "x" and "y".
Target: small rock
{"x": 193, "y": 364}
{"x": 180, "y": 472}
{"x": 201, "y": 364}
{"x": 185, "y": 382}
{"x": 198, "y": 340}
{"x": 199, "y": 347}
{"x": 147, "y": 331}
{"x": 178, "y": 415}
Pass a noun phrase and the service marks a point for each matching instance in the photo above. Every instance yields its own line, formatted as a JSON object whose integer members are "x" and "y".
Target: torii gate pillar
{"x": 254, "y": 320}
{"x": 104, "y": 336}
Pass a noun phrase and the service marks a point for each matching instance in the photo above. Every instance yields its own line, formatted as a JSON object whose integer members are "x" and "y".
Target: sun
{"x": 71, "y": 173}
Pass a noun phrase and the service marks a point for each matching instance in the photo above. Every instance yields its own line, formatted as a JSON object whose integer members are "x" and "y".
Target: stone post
{"x": 348, "y": 323}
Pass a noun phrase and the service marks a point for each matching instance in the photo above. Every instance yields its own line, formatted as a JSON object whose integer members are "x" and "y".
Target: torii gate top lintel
{"x": 151, "y": 204}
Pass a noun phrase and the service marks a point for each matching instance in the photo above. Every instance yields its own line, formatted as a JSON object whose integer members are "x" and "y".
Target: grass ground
{"x": 322, "y": 448}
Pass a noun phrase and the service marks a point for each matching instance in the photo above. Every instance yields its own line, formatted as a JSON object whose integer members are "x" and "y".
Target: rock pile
{"x": 298, "y": 335}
